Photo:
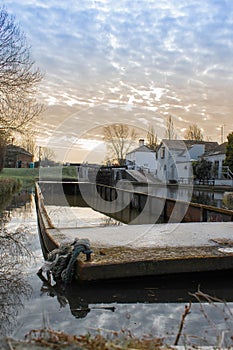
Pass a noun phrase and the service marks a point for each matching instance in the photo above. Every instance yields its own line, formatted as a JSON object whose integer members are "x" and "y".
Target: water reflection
{"x": 190, "y": 195}
{"x": 160, "y": 289}
{"x": 208, "y": 198}
{"x": 14, "y": 254}
{"x": 5, "y": 201}
{"x": 78, "y": 217}
{"x": 154, "y": 305}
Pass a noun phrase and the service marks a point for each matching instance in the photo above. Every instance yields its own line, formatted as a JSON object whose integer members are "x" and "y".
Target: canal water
{"x": 144, "y": 308}
{"x": 186, "y": 194}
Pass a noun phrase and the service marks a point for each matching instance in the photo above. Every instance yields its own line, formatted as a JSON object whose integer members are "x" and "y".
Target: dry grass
{"x": 58, "y": 340}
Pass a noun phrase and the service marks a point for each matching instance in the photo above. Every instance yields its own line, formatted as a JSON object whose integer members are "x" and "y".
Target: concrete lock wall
{"x": 103, "y": 198}
{"x": 169, "y": 209}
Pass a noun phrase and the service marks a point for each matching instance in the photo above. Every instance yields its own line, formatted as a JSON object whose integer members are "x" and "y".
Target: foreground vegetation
{"x": 51, "y": 339}
{"x": 9, "y": 186}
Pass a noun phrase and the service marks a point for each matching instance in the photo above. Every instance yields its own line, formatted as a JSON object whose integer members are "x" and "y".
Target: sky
{"x": 128, "y": 61}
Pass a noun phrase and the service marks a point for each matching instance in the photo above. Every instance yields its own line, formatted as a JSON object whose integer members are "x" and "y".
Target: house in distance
{"x": 17, "y": 157}
{"x": 142, "y": 158}
{"x": 172, "y": 161}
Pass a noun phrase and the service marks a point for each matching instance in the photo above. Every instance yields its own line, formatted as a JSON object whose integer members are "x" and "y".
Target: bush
{"x": 8, "y": 186}
{"x": 228, "y": 200}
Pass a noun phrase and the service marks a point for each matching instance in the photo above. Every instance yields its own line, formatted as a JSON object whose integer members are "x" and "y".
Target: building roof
{"x": 142, "y": 148}
{"x": 173, "y": 144}
{"x": 17, "y": 149}
{"x": 182, "y": 144}
{"x": 220, "y": 149}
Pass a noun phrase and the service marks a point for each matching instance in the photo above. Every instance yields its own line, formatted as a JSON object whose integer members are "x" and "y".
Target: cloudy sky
{"x": 129, "y": 61}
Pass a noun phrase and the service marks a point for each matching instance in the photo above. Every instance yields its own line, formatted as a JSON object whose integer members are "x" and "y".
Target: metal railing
{"x": 227, "y": 173}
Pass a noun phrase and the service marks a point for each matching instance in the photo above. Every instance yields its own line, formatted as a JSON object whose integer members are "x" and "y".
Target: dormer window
{"x": 162, "y": 152}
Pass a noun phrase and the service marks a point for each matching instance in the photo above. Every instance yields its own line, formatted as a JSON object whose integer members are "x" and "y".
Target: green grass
{"x": 28, "y": 176}
{"x": 58, "y": 173}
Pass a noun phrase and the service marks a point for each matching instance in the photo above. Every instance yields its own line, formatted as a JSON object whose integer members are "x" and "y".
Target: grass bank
{"x": 58, "y": 173}
{"x": 28, "y": 176}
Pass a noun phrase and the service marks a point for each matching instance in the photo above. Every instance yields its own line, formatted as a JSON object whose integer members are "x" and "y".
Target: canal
{"x": 213, "y": 198}
{"x": 153, "y": 307}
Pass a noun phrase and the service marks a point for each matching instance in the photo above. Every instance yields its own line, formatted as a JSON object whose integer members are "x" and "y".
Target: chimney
{"x": 141, "y": 142}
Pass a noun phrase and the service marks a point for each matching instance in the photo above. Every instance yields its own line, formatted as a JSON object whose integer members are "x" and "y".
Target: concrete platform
{"x": 145, "y": 250}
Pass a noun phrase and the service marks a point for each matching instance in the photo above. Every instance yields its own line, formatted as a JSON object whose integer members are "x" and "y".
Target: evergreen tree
{"x": 202, "y": 169}
{"x": 229, "y": 151}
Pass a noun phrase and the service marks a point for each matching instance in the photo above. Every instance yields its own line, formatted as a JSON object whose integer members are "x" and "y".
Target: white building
{"x": 222, "y": 174}
{"x": 175, "y": 157}
{"x": 172, "y": 162}
{"x": 217, "y": 157}
{"x": 142, "y": 158}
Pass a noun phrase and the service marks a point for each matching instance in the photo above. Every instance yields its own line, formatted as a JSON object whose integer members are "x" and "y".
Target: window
{"x": 162, "y": 152}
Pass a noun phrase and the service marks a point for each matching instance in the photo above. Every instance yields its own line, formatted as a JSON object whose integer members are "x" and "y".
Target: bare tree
{"x": 152, "y": 138}
{"x": 18, "y": 78}
{"x": 170, "y": 130}
{"x": 47, "y": 153}
{"x": 27, "y": 141}
{"x": 194, "y": 133}
{"x": 119, "y": 139}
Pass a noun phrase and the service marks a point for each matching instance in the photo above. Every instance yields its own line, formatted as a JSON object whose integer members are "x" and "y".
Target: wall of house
{"x": 217, "y": 158}
{"x": 185, "y": 172}
{"x": 173, "y": 165}
{"x": 221, "y": 182}
{"x": 17, "y": 160}
{"x": 196, "y": 151}
{"x": 25, "y": 160}
{"x": 146, "y": 160}
{"x": 162, "y": 159}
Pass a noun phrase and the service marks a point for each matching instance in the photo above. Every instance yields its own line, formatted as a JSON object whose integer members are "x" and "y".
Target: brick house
{"x": 17, "y": 157}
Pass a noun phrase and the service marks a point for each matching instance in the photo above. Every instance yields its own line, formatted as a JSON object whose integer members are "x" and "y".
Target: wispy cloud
{"x": 163, "y": 57}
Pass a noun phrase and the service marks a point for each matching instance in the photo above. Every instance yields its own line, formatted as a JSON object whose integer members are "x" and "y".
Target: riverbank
{"x": 28, "y": 176}
{"x": 9, "y": 186}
